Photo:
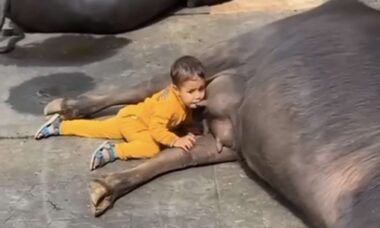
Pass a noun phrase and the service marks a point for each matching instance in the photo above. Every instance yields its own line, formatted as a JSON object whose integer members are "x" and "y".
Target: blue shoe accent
{"x": 45, "y": 132}
{"x": 97, "y": 158}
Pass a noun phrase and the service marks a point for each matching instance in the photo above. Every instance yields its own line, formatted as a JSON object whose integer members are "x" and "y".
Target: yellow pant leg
{"x": 139, "y": 143}
{"x": 107, "y": 128}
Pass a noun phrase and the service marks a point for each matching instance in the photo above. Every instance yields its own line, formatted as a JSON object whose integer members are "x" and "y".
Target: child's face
{"x": 192, "y": 92}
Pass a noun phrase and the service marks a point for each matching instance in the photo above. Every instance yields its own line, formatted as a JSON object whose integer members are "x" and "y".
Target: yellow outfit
{"x": 145, "y": 126}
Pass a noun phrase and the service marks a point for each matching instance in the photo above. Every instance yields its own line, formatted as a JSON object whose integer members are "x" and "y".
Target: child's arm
{"x": 159, "y": 129}
{"x": 158, "y": 126}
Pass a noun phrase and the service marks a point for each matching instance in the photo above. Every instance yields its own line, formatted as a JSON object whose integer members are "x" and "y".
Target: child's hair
{"x": 186, "y": 68}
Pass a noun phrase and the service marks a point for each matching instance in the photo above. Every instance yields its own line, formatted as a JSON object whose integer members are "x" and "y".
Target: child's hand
{"x": 185, "y": 142}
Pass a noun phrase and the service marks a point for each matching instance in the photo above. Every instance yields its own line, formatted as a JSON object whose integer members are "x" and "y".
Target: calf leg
{"x": 86, "y": 105}
{"x": 104, "y": 191}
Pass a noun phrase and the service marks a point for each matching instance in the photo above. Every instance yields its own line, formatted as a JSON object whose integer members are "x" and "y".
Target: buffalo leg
{"x": 105, "y": 190}
{"x": 84, "y": 106}
{"x": 15, "y": 33}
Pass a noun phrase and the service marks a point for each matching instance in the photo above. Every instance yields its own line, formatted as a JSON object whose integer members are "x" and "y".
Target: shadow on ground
{"x": 31, "y": 96}
{"x": 65, "y": 50}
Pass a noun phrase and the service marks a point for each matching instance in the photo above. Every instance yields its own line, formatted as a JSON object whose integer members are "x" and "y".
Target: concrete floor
{"x": 44, "y": 183}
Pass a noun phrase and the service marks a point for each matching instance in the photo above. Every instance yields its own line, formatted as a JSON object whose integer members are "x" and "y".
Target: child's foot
{"x": 49, "y": 128}
{"x": 102, "y": 155}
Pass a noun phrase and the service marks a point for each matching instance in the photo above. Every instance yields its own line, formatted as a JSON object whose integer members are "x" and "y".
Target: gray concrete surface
{"x": 44, "y": 183}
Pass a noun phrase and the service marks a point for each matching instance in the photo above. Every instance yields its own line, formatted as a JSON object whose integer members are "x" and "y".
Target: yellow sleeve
{"x": 158, "y": 125}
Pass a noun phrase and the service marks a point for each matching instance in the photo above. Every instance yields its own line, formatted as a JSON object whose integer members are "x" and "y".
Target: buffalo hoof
{"x": 104, "y": 191}
{"x": 54, "y": 106}
{"x": 101, "y": 197}
{"x": 67, "y": 108}
{"x": 15, "y": 36}
{"x": 6, "y": 49}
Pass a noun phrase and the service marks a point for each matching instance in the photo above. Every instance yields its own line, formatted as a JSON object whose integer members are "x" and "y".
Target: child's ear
{"x": 175, "y": 88}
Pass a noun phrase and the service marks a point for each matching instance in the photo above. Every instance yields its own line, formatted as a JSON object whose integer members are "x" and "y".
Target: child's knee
{"x": 136, "y": 149}
{"x": 151, "y": 149}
